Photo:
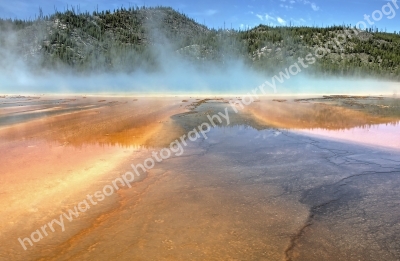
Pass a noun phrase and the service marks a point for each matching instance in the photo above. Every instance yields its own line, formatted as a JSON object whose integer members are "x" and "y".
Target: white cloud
{"x": 314, "y": 7}
{"x": 290, "y": 4}
{"x": 286, "y": 6}
{"x": 281, "y": 21}
{"x": 260, "y": 17}
{"x": 300, "y": 21}
{"x": 269, "y": 18}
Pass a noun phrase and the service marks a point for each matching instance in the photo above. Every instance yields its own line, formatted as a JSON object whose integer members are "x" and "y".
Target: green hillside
{"x": 134, "y": 38}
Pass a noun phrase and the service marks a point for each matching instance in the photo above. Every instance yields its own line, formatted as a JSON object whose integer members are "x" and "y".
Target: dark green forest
{"x": 128, "y": 39}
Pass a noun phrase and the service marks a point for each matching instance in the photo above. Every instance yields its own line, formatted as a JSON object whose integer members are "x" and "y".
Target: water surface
{"x": 283, "y": 181}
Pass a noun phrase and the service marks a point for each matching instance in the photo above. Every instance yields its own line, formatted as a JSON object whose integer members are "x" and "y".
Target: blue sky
{"x": 235, "y": 13}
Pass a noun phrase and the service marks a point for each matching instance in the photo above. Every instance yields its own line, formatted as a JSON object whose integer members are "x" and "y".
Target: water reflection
{"x": 147, "y": 123}
{"x": 124, "y": 122}
{"x": 381, "y": 135}
{"x": 364, "y": 121}
{"x": 297, "y": 115}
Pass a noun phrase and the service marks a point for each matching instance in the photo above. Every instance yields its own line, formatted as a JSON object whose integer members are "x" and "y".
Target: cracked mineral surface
{"x": 314, "y": 179}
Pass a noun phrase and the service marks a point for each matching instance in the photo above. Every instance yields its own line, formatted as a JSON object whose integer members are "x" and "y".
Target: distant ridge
{"x": 132, "y": 38}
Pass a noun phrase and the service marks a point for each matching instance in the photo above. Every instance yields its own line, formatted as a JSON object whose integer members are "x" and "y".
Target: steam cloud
{"x": 19, "y": 74}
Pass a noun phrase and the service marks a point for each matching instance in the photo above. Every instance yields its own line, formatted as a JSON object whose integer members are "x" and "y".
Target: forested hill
{"x": 136, "y": 38}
